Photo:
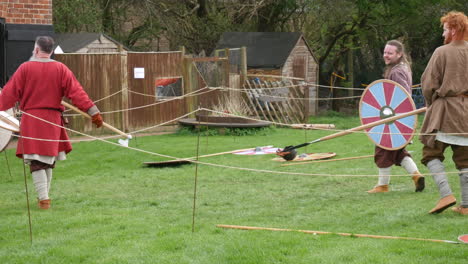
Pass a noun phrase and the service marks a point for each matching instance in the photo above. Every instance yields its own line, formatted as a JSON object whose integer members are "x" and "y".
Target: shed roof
{"x": 264, "y": 49}
{"x": 72, "y": 42}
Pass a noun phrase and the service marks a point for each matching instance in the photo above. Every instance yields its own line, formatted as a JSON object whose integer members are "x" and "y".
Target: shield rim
{"x": 6, "y": 133}
{"x": 412, "y": 104}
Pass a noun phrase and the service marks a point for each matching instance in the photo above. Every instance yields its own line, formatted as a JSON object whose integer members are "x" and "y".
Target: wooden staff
{"x": 103, "y": 123}
{"x": 313, "y": 126}
{"x": 190, "y": 159}
{"x": 328, "y": 160}
{"x": 340, "y": 234}
{"x": 362, "y": 127}
{"x": 220, "y": 153}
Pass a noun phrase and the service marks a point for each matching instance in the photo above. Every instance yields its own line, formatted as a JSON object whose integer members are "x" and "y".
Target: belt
{"x": 45, "y": 108}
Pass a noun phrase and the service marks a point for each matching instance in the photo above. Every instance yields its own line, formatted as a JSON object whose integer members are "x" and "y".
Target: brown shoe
{"x": 460, "y": 210}
{"x": 443, "y": 204}
{"x": 44, "y": 204}
{"x": 419, "y": 182}
{"x": 379, "y": 189}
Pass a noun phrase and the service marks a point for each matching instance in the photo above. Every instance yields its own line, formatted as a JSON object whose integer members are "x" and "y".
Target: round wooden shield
{"x": 8, "y": 125}
{"x": 383, "y": 99}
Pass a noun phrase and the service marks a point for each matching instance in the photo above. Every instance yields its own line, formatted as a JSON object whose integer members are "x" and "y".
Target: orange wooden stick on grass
{"x": 330, "y": 233}
{"x": 328, "y": 160}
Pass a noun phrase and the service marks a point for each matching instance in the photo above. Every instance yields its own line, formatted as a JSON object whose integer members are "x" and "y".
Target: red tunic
{"x": 39, "y": 87}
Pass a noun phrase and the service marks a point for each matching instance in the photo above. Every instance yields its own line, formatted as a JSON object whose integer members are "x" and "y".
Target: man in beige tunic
{"x": 445, "y": 88}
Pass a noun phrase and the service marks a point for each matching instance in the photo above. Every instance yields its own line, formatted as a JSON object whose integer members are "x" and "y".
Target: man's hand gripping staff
{"x": 97, "y": 120}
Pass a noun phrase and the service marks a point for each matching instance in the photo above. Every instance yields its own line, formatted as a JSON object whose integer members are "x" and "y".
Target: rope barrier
{"x": 326, "y": 129}
{"x": 218, "y": 165}
{"x": 194, "y": 93}
{"x": 271, "y": 122}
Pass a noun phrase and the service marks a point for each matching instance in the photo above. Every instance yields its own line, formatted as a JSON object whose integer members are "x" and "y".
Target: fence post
{"x": 243, "y": 65}
{"x": 124, "y": 89}
{"x": 188, "y": 82}
{"x": 227, "y": 72}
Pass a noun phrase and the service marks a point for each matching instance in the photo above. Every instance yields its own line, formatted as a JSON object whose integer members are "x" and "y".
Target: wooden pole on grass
{"x": 331, "y": 233}
{"x": 329, "y": 160}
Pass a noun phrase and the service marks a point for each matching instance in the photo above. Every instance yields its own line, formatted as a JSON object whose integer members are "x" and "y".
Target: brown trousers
{"x": 37, "y": 165}
{"x": 460, "y": 154}
{"x": 385, "y": 158}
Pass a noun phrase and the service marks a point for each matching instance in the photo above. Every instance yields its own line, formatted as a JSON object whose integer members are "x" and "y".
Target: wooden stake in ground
{"x": 331, "y": 233}
{"x": 27, "y": 195}
{"x": 195, "y": 181}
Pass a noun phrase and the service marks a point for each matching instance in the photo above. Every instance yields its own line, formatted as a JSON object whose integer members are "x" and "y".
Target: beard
{"x": 448, "y": 39}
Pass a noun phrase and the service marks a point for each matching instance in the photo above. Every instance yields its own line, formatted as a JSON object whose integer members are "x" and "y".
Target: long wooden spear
{"x": 190, "y": 159}
{"x": 327, "y": 160}
{"x": 331, "y": 233}
{"x": 292, "y": 152}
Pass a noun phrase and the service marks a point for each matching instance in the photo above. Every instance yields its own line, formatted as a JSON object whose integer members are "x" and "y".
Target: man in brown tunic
{"x": 445, "y": 88}
{"x": 397, "y": 70}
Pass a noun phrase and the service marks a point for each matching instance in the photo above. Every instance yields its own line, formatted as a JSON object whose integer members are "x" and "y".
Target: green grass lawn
{"x": 108, "y": 208}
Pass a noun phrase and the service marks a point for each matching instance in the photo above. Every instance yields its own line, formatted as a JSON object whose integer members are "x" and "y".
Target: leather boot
{"x": 379, "y": 189}
{"x": 44, "y": 204}
{"x": 460, "y": 210}
{"x": 443, "y": 204}
{"x": 419, "y": 182}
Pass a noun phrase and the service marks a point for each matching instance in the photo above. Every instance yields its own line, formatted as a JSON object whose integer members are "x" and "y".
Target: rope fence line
{"x": 167, "y": 122}
{"x": 248, "y": 92}
{"x": 93, "y": 138}
{"x": 104, "y": 98}
{"x": 218, "y": 165}
{"x": 281, "y": 124}
{"x": 416, "y": 86}
{"x": 194, "y": 93}
{"x": 328, "y": 129}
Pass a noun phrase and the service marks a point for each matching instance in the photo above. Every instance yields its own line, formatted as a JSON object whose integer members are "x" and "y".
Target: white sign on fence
{"x": 139, "y": 73}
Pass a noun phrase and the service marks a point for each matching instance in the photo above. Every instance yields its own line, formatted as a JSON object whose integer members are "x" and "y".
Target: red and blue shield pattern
{"x": 382, "y": 99}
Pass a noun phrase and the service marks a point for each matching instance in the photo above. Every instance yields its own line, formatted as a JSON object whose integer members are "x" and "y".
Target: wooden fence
{"x": 101, "y": 75}
{"x": 110, "y": 81}
{"x": 123, "y": 85}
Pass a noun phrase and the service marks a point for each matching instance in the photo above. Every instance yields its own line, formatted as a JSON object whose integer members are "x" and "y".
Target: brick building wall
{"x": 21, "y": 21}
{"x": 26, "y": 11}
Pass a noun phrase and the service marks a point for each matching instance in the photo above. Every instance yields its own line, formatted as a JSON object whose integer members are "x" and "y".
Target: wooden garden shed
{"x": 85, "y": 42}
{"x": 278, "y": 53}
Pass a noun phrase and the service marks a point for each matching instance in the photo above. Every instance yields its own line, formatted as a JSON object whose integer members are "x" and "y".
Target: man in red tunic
{"x": 39, "y": 86}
